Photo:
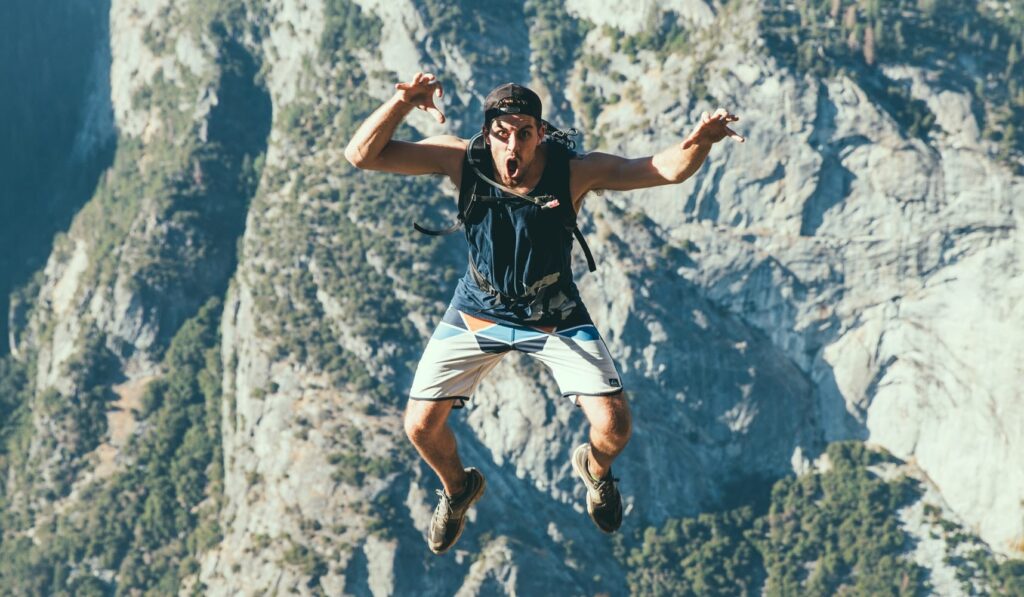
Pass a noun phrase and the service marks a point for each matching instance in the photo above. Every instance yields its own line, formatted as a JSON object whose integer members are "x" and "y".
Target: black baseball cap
{"x": 511, "y": 98}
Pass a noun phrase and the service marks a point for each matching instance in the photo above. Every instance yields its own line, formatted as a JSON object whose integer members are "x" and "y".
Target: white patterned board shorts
{"x": 465, "y": 348}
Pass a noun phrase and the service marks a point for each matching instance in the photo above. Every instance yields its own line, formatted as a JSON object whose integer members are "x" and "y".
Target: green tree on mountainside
{"x": 150, "y": 520}
{"x": 963, "y": 42}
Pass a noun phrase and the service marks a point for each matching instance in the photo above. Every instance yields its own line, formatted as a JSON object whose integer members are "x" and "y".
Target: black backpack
{"x": 477, "y": 165}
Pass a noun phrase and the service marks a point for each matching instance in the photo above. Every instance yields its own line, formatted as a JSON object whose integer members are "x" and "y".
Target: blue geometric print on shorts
{"x": 497, "y": 336}
{"x": 583, "y": 333}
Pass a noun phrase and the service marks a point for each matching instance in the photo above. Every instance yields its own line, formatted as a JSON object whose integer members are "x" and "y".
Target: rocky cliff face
{"x": 885, "y": 267}
{"x": 52, "y": 152}
{"x": 833, "y": 278}
{"x": 156, "y": 241}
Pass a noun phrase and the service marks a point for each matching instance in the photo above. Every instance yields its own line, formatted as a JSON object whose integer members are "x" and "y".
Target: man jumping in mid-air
{"x": 520, "y": 188}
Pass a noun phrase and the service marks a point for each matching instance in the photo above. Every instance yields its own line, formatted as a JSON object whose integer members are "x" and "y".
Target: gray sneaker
{"x": 604, "y": 504}
{"x": 450, "y": 515}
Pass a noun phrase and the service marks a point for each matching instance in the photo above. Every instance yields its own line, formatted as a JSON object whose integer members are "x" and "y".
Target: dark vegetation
{"x": 15, "y": 393}
{"x": 347, "y": 29}
{"x": 198, "y": 192}
{"x": 332, "y": 253}
{"x": 978, "y": 571}
{"x": 830, "y": 533}
{"x": 51, "y": 152}
{"x": 149, "y": 521}
{"x": 975, "y": 45}
{"x": 706, "y": 555}
{"x": 491, "y": 37}
{"x": 347, "y": 241}
{"x": 665, "y": 35}
{"x": 820, "y": 534}
{"x": 556, "y": 40}
{"x": 75, "y": 424}
{"x": 837, "y": 532}
{"x": 1003, "y": 577}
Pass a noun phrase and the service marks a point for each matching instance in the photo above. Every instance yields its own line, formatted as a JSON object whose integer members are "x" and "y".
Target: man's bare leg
{"x": 426, "y": 424}
{"x": 610, "y": 429}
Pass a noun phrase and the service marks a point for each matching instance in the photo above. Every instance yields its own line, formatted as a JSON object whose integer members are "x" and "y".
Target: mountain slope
{"x": 849, "y": 273}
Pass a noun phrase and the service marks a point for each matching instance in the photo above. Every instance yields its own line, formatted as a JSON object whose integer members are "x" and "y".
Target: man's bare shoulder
{"x": 446, "y": 142}
{"x": 593, "y": 159}
{"x": 592, "y": 162}
{"x": 449, "y": 151}
{"x": 587, "y": 171}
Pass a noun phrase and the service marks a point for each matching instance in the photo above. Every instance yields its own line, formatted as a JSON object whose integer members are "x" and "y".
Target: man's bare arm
{"x": 372, "y": 146}
{"x": 671, "y": 166}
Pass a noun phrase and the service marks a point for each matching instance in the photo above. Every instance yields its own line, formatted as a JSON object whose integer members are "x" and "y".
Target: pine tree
{"x": 869, "y": 45}
{"x": 850, "y": 18}
{"x": 898, "y": 42}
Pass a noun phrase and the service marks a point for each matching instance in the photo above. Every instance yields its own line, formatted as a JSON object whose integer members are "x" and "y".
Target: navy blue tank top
{"x": 523, "y": 252}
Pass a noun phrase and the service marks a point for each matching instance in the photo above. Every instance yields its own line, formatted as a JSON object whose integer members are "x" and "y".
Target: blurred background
{"x": 212, "y": 320}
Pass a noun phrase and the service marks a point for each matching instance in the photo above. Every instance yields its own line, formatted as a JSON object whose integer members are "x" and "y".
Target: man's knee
{"x": 424, "y": 418}
{"x": 621, "y": 421}
{"x": 609, "y": 416}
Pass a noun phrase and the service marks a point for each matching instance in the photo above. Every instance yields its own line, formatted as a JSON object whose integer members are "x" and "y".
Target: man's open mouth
{"x": 512, "y": 167}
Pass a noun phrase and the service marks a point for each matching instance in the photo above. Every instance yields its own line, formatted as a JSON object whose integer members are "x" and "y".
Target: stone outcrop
{"x": 831, "y": 278}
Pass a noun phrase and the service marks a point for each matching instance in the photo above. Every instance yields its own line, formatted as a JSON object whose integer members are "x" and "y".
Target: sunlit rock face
{"x": 833, "y": 277}
{"x": 884, "y": 266}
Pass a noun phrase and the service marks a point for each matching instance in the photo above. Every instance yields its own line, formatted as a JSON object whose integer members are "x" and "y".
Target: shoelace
{"x": 605, "y": 487}
{"x": 444, "y": 506}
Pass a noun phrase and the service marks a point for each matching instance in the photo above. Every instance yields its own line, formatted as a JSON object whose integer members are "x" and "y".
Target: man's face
{"x": 514, "y": 139}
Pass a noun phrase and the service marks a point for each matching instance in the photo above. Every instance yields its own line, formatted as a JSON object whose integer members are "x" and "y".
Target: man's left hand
{"x": 712, "y": 129}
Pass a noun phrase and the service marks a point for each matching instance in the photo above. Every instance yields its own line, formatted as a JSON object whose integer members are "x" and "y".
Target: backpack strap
{"x": 472, "y": 161}
{"x": 561, "y": 154}
{"x": 591, "y": 264}
{"x": 442, "y": 232}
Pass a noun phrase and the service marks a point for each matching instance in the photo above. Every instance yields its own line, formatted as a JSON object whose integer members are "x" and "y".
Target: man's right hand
{"x": 420, "y": 93}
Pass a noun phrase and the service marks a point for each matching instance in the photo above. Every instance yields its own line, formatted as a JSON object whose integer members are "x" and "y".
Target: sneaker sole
{"x": 579, "y": 467}
{"x": 462, "y": 524}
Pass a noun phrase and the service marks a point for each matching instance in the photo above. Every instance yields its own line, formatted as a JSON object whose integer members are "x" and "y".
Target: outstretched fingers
{"x": 438, "y": 115}
{"x": 713, "y": 127}
{"x": 437, "y": 91}
{"x": 421, "y": 91}
{"x": 418, "y": 79}
{"x": 725, "y": 117}
{"x": 731, "y": 133}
